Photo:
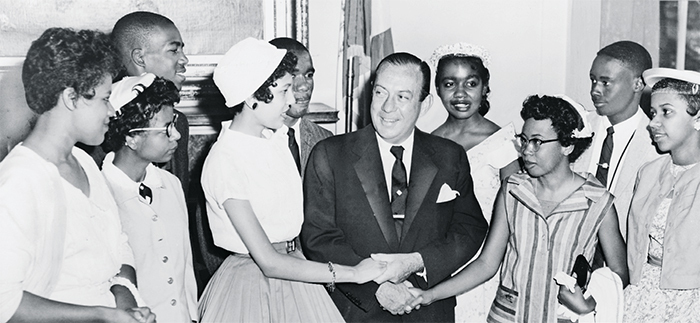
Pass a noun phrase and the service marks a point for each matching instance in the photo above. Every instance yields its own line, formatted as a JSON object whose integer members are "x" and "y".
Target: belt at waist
{"x": 287, "y": 246}
{"x": 281, "y": 247}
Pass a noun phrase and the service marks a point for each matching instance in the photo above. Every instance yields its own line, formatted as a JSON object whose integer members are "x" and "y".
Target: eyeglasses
{"x": 169, "y": 128}
{"x": 534, "y": 143}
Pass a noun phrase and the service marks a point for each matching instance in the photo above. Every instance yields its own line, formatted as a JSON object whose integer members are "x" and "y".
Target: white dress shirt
{"x": 388, "y": 158}
{"x": 621, "y": 138}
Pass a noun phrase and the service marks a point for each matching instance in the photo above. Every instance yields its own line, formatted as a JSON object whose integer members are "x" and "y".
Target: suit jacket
{"x": 310, "y": 134}
{"x": 348, "y": 217}
{"x": 640, "y": 151}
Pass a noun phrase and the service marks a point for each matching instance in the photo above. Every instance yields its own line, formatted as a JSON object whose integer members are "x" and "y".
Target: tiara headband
{"x": 586, "y": 131}
{"x": 461, "y": 50}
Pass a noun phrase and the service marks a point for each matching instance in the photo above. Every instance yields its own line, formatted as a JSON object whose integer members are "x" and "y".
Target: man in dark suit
{"x": 390, "y": 188}
{"x": 299, "y": 127}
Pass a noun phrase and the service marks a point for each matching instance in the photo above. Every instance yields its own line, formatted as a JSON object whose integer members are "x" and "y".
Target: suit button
{"x": 170, "y": 280}
{"x": 173, "y": 302}
{"x": 154, "y": 218}
{"x": 165, "y": 259}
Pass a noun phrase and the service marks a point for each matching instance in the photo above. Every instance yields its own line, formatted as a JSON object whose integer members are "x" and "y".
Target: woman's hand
{"x": 575, "y": 301}
{"x": 368, "y": 269}
{"x": 132, "y": 315}
{"x": 142, "y": 314}
{"x": 422, "y": 297}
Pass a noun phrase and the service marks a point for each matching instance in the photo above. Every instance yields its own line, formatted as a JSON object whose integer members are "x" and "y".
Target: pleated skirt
{"x": 239, "y": 292}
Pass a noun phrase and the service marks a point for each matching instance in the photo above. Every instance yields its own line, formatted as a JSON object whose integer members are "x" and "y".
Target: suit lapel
{"x": 306, "y": 136}
{"x": 371, "y": 175}
{"x": 635, "y": 157}
{"x": 423, "y": 171}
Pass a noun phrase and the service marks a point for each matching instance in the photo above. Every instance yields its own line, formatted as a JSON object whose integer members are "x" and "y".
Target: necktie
{"x": 604, "y": 161}
{"x": 602, "y": 176}
{"x": 294, "y": 148}
{"x": 399, "y": 189}
{"x": 145, "y": 193}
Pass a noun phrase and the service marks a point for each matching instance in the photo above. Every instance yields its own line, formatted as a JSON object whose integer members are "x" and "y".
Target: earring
{"x": 696, "y": 125}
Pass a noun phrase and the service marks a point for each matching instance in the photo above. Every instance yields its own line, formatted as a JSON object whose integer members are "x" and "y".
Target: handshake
{"x": 399, "y": 298}
{"x": 395, "y": 294}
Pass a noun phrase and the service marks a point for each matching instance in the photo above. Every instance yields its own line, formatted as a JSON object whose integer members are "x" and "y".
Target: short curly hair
{"x": 139, "y": 112}
{"x": 478, "y": 66}
{"x": 683, "y": 89}
{"x": 263, "y": 93}
{"x": 564, "y": 118}
{"x": 64, "y": 58}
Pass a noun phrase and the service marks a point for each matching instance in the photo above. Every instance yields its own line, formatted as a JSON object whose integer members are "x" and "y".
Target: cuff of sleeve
{"x": 117, "y": 280}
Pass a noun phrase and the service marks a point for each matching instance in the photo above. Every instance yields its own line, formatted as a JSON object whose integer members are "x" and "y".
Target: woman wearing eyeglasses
{"x": 151, "y": 201}
{"x": 542, "y": 221}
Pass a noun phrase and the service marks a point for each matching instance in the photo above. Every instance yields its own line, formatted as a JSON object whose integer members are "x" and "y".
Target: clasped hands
{"x": 395, "y": 294}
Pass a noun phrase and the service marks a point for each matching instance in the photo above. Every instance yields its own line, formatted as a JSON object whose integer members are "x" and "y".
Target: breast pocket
{"x": 504, "y": 305}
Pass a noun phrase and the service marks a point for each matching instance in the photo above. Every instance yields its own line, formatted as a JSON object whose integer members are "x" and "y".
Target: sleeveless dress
{"x": 540, "y": 246}
{"x": 646, "y": 302}
{"x": 485, "y": 161}
{"x": 262, "y": 171}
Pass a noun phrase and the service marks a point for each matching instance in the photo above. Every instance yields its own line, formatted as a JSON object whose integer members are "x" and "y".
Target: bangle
{"x": 331, "y": 286}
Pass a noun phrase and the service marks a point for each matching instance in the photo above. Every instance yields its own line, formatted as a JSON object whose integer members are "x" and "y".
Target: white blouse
{"x": 259, "y": 170}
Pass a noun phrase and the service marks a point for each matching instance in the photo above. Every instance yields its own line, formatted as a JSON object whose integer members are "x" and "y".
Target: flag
{"x": 366, "y": 39}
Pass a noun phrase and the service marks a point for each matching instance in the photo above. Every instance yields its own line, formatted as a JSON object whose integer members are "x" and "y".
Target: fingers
{"x": 143, "y": 314}
{"x": 416, "y": 302}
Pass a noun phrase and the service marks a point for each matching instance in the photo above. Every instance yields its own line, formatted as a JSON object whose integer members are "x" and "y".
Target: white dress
{"x": 55, "y": 241}
{"x": 263, "y": 172}
{"x": 485, "y": 161}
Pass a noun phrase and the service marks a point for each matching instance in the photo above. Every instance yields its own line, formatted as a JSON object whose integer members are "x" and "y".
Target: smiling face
{"x": 460, "y": 88}
{"x": 92, "y": 115}
{"x": 614, "y": 89}
{"x": 671, "y": 126}
{"x": 271, "y": 115}
{"x": 549, "y": 156}
{"x": 396, "y": 103}
{"x": 303, "y": 84}
{"x": 163, "y": 55}
{"x": 155, "y": 146}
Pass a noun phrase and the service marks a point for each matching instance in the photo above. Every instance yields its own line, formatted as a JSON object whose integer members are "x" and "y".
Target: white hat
{"x": 128, "y": 89}
{"x": 245, "y": 67}
{"x": 653, "y": 75}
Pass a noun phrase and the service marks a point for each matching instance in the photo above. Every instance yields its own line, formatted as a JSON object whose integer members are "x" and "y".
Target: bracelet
{"x": 118, "y": 280}
{"x": 331, "y": 286}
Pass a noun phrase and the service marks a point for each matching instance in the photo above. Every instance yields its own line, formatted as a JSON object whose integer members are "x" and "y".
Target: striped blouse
{"x": 540, "y": 246}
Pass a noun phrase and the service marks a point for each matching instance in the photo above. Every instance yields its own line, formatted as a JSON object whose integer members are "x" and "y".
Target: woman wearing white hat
{"x": 254, "y": 202}
{"x": 664, "y": 218}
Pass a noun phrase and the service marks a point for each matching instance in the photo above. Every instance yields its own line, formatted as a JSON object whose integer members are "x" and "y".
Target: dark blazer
{"x": 348, "y": 217}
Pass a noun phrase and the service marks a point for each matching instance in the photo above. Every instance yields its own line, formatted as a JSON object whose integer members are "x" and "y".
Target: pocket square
{"x": 446, "y": 194}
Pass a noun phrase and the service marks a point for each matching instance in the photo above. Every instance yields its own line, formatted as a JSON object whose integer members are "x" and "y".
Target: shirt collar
{"x": 406, "y": 144}
{"x": 626, "y": 128}
{"x": 127, "y": 187}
